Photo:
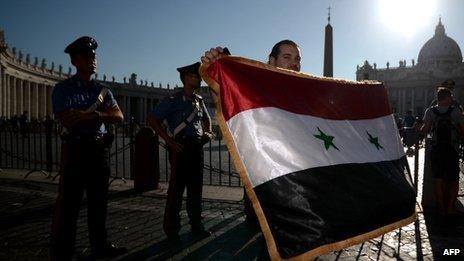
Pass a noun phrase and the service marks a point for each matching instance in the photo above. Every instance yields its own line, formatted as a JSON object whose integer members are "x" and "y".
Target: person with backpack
{"x": 446, "y": 125}
{"x": 448, "y": 84}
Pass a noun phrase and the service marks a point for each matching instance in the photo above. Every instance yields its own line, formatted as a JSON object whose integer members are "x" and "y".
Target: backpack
{"x": 444, "y": 131}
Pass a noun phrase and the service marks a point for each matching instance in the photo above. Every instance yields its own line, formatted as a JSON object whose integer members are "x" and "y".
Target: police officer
{"x": 83, "y": 106}
{"x": 189, "y": 127}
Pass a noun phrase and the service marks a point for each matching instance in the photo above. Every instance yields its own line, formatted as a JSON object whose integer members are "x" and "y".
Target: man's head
{"x": 449, "y": 84}
{"x": 286, "y": 54}
{"x": 82, "y": 53}
{"x": 444, "y": 96}
{"x": 190, "y": 76}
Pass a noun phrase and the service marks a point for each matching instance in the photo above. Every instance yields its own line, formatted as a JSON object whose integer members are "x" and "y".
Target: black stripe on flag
{"x": 324, "y": 205}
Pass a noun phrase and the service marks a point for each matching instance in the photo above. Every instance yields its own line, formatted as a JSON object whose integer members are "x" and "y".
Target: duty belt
{"x": 83, "y": 137}
{"x": 188, "y": 139}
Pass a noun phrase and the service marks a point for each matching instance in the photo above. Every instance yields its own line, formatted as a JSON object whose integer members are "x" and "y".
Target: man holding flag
{"x": 285, "y": 54}
{"x": 321, "y": 159}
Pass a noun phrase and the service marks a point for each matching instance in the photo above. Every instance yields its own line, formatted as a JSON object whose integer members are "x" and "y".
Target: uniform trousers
{"x": 85, "y": 168}
{"x": 186, "y": 172}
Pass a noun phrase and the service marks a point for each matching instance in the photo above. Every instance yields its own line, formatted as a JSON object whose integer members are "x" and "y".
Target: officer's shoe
{"x": 200, "y": 232}
{"x": 173, "y": 239}
{"x": 109, "y": 250}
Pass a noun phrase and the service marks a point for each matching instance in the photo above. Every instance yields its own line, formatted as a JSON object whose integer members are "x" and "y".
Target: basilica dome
{"x": 440, "y": 49}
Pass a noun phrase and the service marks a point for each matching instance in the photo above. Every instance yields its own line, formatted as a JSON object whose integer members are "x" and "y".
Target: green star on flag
{"x": 374, "y": 141}
{"x": 328, "y": 140}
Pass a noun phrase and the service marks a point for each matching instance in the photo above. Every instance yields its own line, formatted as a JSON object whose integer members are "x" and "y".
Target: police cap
{"x": 192, "y": 68}
{"x": 84, "y": 44}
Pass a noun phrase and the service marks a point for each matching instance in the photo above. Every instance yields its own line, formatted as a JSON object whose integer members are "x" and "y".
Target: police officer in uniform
{"x": 83, "y": 106}
{"x": 189, "y": 128}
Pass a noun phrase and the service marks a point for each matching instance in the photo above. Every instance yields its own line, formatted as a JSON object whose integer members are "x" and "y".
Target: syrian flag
{"x": 321, "y": 159}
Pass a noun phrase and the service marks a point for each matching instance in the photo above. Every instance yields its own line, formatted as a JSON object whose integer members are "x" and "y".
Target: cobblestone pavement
{"x": 135, "y": 221}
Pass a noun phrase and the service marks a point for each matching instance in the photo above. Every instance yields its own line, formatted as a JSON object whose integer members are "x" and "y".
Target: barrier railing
{"x": 36, "y": 146}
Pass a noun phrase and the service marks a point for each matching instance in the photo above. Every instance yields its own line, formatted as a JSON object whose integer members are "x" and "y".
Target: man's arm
{"x": 206, "y": 120}
{"x": 161, "y": 131}
{"x": 112, "y": 115}
{"x": 426, "y": 127}
{"x": 71, "y": 118}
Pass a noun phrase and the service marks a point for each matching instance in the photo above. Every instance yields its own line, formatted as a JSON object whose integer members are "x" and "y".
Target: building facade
{"x": 26, "y": 85}
{"x": 413, "y": 86}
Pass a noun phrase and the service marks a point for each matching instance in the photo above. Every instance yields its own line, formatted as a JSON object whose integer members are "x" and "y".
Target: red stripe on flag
{"x": 245, "y": 87}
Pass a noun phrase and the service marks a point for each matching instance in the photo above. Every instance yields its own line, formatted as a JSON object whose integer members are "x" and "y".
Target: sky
{"x": 153, "y": 38}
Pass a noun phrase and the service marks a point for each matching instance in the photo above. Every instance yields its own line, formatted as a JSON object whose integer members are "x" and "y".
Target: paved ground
{"x": 135, "y": 221}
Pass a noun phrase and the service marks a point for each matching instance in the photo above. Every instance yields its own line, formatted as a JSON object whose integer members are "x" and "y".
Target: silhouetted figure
{"x": 190, "y": 128}
{"x": 409, "y": 119}
{"x": 446, "y": 123}
{"x": 83, "y": 106}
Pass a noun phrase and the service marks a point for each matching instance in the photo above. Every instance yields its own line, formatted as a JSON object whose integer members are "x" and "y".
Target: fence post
{"x": 416, "y": 166}
{"x": 146, "y": 175}
{"x": 48, "y": 144}
{"x": 131, "y": 146}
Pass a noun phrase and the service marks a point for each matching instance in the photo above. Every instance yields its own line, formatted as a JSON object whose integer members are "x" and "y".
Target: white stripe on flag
{"x": 273, "y": 142}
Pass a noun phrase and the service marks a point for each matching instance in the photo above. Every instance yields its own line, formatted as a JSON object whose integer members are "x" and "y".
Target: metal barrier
{"x": 36, "y": 146}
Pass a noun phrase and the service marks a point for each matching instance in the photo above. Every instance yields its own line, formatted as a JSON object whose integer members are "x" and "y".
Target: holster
{"x": 108, "y": 139}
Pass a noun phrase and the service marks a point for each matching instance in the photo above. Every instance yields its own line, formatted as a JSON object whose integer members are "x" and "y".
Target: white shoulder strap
{"x": 99, "y": 101}
{"x": 184, "y": 123}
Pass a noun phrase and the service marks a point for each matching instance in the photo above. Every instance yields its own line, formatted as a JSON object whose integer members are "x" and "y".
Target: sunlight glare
{"x": 407, "y": 16}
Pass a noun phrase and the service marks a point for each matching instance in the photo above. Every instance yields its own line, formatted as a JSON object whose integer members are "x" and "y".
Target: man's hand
{"x": 212, "y": 55}
{"x": 207, "y": 136}
{"x": 174, "y": 146}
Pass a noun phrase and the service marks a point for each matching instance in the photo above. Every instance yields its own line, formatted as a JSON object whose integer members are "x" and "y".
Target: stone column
{"x": 398, "y": 92}
{"x": 122, "y": 104}
{"x": 27, "y": 97}
{"x": 42, "y": 100}
{"x": 6, "y": 106}
{"x": 426, "y": 99}
{"x": 2, "y": 94}
{"x": 2, "y": 91}
{"x": 128, "y": 106}
{"x": 403, "y": 102}
{"x": 49, "y": 100}
{"x": 144, "y": 109}
{"x": 413, "y": 101}
{"x": 149, "y": 105}
{"x": 19, "y": 96}
{"x": 139, "y": 113}
{"x": 35, "y": 100}
{"x": 12, "y": 96}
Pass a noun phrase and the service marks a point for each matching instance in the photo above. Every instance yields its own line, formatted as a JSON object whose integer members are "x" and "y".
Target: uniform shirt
{"x": 175, "y": 109}
{"x": 456, "y": 117}
{"x": 74, "y": 94}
